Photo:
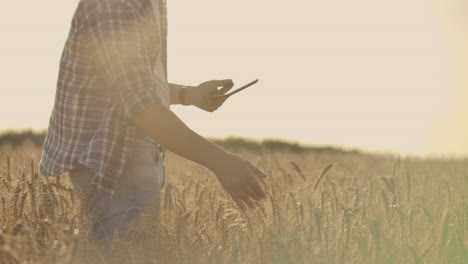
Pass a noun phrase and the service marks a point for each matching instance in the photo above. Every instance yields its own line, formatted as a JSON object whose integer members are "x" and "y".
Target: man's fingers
{"x": 246, "y": 200}
{"x": 241, "y": 198}
{"x": 238, "y": 201}
{"x": 251, "y": 193}
{"x": 257, "y": 188}
{"x": 257, "y": 172}
{"x": 214, "y": 103}
{"x": 226, "y": 84}
{"x": 218, "y": 101}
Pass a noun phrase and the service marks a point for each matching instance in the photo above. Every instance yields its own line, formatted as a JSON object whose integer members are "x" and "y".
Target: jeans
{"x": 139, "y": 188}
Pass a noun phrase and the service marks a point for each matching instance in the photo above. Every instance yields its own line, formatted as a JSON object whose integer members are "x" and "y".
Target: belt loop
{"x": 155, "y": 154}
{"x": 160, "y": 151}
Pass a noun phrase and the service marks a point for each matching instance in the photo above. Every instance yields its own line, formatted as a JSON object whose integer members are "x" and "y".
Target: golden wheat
{"x": 359, "y": 209}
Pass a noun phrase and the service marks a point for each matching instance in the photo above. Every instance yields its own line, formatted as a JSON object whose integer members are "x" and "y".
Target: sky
{"x": 375, "y": 75}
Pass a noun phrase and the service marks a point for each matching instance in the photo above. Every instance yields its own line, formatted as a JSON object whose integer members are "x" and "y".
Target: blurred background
{"x": 374, "y": 75}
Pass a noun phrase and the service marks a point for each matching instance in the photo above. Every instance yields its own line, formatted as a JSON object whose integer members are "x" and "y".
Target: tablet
{"x": 236, "y": 91}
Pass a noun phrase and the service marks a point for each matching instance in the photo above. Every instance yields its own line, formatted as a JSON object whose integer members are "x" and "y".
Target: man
{"x": 111, "y": 117}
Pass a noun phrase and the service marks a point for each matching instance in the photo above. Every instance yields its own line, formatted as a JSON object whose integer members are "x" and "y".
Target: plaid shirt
{"x": 106, "y": 76}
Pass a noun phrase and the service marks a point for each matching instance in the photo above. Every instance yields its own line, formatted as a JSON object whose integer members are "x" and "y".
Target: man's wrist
{"x": 183, "y": 97}
{"x": 218, "y": 160}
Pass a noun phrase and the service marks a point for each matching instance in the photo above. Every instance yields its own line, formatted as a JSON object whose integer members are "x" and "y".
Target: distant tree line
{"x": 16, "y": 138}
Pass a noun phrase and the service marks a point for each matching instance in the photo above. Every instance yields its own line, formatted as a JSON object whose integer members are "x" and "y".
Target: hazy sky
{"x": 378, "y": 75}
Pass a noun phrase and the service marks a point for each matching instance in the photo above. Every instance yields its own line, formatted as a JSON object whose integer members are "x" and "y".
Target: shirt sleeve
{"x": 118, "y": 33}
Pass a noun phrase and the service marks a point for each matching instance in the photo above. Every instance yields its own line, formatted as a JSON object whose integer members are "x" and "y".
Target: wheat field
{"x": 322, "y": 207}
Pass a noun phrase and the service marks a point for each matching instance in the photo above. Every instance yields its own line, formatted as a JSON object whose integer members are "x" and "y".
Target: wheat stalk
{"x": 298, "y": 170}
{"x": 322, "y": 175}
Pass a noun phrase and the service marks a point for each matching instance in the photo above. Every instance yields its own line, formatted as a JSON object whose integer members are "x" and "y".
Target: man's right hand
{"x": 240, "y": 179}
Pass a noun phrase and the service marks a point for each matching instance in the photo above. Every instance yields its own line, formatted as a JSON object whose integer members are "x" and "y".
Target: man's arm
{"x": 237, "y": 175}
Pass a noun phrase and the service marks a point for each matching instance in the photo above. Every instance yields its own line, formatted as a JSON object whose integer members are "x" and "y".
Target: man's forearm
{"x": 169, "y": 131}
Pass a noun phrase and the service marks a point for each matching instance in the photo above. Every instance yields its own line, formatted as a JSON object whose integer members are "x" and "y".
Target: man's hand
{"x": 240, "y": 179}
{"x": 201, "y": 95}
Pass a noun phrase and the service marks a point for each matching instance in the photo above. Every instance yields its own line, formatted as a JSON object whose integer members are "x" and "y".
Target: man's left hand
{"x": 201, "y": 95}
